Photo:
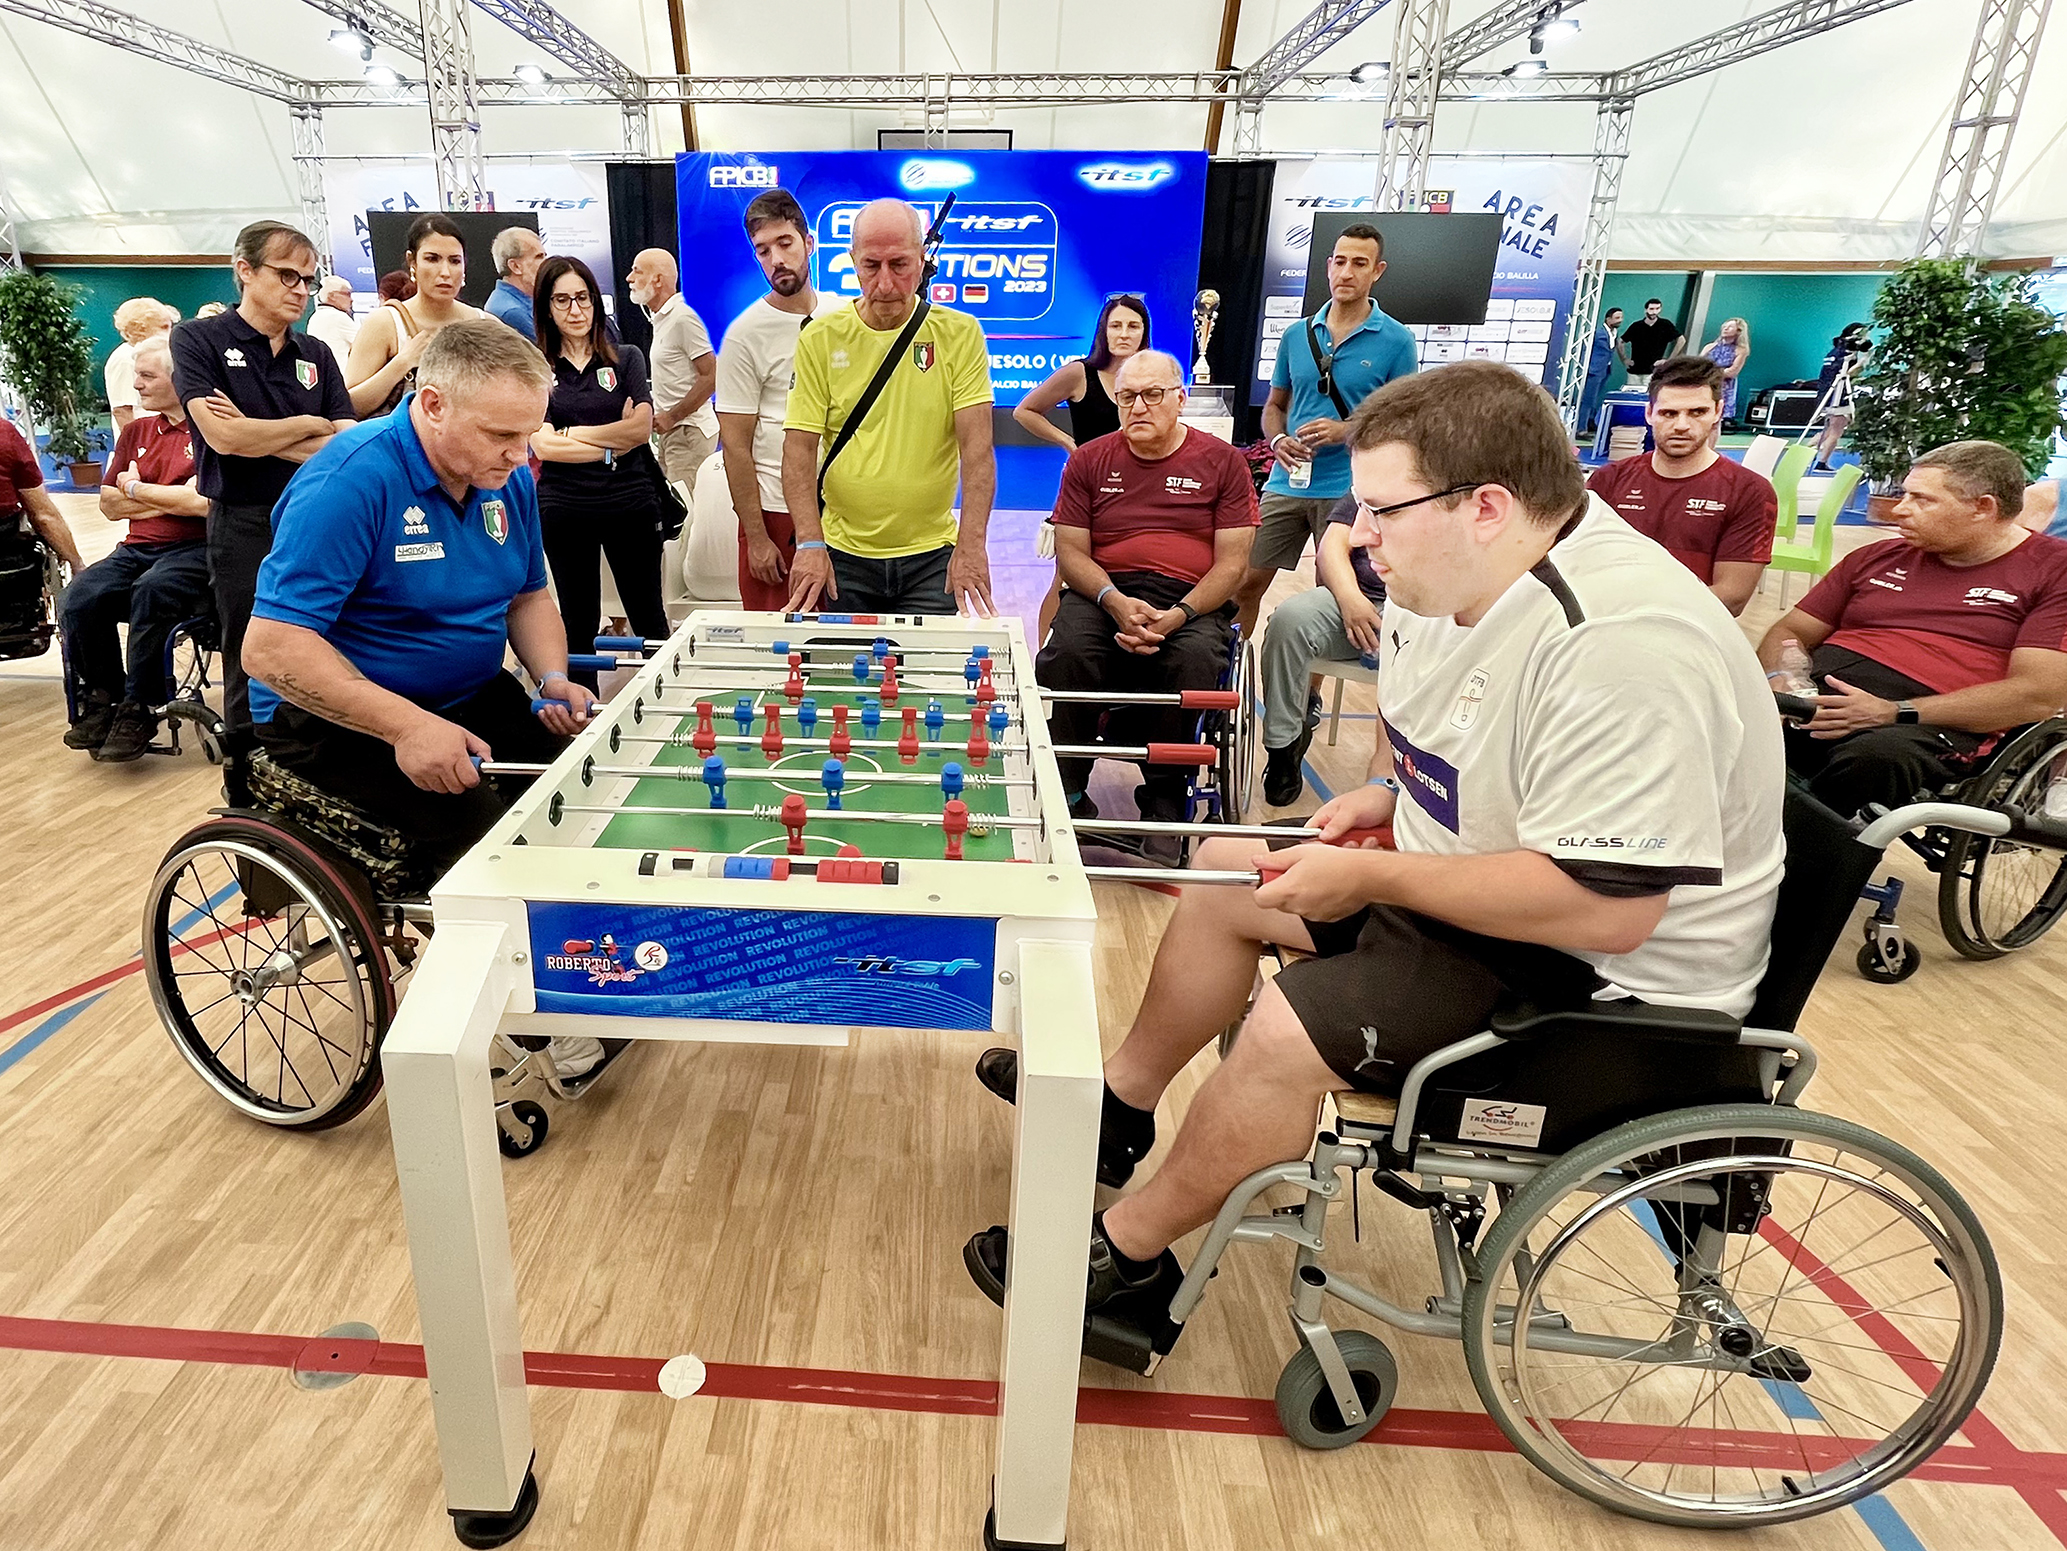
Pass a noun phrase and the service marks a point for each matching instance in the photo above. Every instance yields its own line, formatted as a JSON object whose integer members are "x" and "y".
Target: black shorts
{"x": 1391, "y": 985}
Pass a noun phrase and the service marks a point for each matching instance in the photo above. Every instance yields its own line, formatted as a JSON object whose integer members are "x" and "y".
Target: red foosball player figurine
{"x": 794, "y": 816}
{"x": 840, "y": 745}
{"x": 889, "y": 690}
{"x": 986, "y": 691}
{"x": 705, "y": 738}
{"x": 954, "y": 823}
{"x": 908, "y": 740}
{"x": 771, "y": 740}
{"x": 979, "y": 744}
{"x": 793, "y": 690}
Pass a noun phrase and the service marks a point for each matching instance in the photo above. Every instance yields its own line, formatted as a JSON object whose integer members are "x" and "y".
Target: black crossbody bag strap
{"x": 870, "y": 394}
{"x": 1327, "y": 370}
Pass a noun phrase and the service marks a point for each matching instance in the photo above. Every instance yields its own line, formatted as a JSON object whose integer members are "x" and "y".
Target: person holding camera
{"x": 1834, "y": 388}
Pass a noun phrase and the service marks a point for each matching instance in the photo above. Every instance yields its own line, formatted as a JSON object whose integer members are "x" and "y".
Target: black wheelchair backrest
{"x": 1826, "y": 867}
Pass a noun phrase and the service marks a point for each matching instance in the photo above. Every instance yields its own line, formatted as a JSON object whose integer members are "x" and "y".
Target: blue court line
{"x": 1878, "y": 1514}
{"x": 42, "y": 1031}
{"x": 179, "y": 927}
{"x": 1314, "y": 780}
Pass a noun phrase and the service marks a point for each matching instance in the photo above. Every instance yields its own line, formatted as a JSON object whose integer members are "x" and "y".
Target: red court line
{"x": 2038, "y": 1477}
{"x": 109, "y": 977}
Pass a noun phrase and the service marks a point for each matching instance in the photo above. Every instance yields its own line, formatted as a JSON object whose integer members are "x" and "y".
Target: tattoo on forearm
{"x": 309, "y": 697}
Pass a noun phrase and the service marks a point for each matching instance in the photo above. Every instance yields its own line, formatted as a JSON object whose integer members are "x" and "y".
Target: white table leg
{"x": 442, "y": 1111}
{"x": 1054, "y": 1152}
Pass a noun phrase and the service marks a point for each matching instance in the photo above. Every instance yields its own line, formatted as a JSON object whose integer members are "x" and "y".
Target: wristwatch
{"x": 1905, "y": 713}
{"x": 1186, "y": 610}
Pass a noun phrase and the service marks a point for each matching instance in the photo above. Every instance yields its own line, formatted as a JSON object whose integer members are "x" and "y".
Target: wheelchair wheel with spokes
{"x": 268, "y": 971}
{"x": 1740, "y": 1315}
{"x": 1996, "y": 896}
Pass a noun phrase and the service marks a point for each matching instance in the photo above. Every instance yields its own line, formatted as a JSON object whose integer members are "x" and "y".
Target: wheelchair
{"x": 31, "y": 579}
{"x": 1995, "y": 894}
{"x": 274, "y": 935}
{"x": 1679, "y": 1295}
{"x": 190, "y": 653}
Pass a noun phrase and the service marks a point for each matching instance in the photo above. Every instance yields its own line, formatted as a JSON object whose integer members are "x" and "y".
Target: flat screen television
{"x": 389, "y": 230}
{"x": 1438, "y": 268}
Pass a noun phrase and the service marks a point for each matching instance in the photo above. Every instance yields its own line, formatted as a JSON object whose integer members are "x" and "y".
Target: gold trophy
{"x": 1205, "y": 312}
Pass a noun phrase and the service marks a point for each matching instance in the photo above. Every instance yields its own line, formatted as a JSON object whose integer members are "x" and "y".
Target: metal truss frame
{"x": 1759, "y": 34}
{"x": 380, "y": 21}
{"x": 1977, "y": 141}
{"x": 132, "y": 34}
{"x": 307, "y": 122}
{"x": 10, "y": 243}
{"x": 544, "y": 28}
{"x": 1410, "y": 97}
{"x": 448, "y": 69}
{"x": 1610, "y": 155}
{"x": 1508, "y": 20}
{"x": 1319, "y": 30}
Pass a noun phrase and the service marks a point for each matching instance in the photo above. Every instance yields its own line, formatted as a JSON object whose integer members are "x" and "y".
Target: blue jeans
{"x": 907, "y": 584}
{"x": 1589, "y": 401}
{"x": 149, "y": 587}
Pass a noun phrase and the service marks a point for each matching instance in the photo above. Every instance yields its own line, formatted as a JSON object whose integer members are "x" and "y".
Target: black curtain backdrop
{"x": 642, "y": 215}
{"x": 1231, "y": 250}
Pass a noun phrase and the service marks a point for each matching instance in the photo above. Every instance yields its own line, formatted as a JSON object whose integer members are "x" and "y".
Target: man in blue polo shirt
{"x": 1327, "y": 365}
{"x": 405, "y": 556}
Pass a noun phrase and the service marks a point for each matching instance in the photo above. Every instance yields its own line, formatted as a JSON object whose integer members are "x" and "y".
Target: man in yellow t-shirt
{"x": 887, "y": 541}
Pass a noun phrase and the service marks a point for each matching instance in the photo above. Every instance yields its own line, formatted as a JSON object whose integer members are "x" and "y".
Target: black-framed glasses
{"x": 1127, "y": 398}
{"x": 292, "y": 278}
{"x": 567, "y": 301}
{"x": 1375, "y": 512}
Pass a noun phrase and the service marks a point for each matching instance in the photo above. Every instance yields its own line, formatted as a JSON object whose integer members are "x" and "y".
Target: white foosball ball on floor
{"x": 781, "y": 831}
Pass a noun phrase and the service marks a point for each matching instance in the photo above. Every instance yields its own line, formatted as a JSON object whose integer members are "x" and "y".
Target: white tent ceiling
{"x": 1823, "y": 150}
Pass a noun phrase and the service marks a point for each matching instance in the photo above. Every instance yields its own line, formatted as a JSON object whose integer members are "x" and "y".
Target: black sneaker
{"x": 96, "y": 718}
{"x": 1126, "y": 1135}
{"x": 1107, "y": 1276}
{"x": 1159, "y": 806}
{"x": 130, "y": 737}
{"x": 1284, "y": 773}
{"x": 1314, "y": 707}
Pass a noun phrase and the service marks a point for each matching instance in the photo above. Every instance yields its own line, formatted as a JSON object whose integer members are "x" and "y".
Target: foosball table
{"x": 782, "y": 830}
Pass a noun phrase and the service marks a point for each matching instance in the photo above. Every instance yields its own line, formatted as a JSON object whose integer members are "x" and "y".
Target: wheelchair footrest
{"x": 1135, "y": 1331}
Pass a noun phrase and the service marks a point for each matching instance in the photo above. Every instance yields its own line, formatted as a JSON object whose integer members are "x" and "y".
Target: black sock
{"x": 1133, "y": 1270}
{"x": 1124, "y": 1123}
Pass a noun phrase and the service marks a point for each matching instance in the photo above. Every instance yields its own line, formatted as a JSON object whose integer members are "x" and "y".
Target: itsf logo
{"x": 878, "y": 964}
{"x": 1135, "y": 176}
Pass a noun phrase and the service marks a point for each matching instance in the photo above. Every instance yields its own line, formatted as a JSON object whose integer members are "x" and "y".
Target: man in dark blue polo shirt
{"x": 1326, "y": 365}
{"x": 406, "y": 555}
{"x": 262, "y": 399}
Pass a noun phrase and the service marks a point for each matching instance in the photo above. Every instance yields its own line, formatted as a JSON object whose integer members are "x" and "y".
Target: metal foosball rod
{"x": 998, "y": 717}
{"x": 686, "y": 740}
{"x": 977, "y": 778}
{"x": 978, "y": 823}
{"x": 878, "y": 646}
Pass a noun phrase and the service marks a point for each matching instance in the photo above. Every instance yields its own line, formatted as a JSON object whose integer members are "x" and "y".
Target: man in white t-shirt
{"x": 1586, "y": 794}
{"x": 683, "y": 366}
{"x": 756, "y": 366}
{"x": 332, "y": 319}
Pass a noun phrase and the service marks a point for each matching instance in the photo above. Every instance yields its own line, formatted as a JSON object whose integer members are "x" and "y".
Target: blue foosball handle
{"x": 621, "y": 643}
{"x": 593, "y": 662}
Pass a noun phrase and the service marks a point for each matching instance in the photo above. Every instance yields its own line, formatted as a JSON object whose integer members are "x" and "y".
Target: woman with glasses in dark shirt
{"x": 598, "y": 485}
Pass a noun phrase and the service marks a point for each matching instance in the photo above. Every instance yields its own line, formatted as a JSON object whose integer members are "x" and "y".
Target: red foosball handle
{"x": 1182, "y": 754}
{"x": 1208, "y": 699}
{"x": 1265, "y": 871}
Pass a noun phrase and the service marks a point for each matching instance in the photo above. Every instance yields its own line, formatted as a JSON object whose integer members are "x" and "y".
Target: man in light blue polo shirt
{"x": 517, "y": 253}
{"x": 1326, "y": 366}
{"x": 406, "y": 556}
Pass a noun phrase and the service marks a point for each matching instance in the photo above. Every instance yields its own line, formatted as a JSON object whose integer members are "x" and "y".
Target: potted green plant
{"x": 46, "y": 353}
{"x": 1959, "y": 355}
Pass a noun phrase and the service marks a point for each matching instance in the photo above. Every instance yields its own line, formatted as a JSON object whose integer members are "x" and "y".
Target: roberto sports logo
{"x": 1135, "y": 176}
{"x": 883, "y": 964}
{"x": 743, "y": 175}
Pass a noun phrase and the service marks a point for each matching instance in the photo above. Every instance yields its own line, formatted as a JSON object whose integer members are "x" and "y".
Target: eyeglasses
{"x": 292, "y": 278}
{"x": 565, "y": 302}
{"x": 1375, "y": 512}
{"x": 1127, "y": 398}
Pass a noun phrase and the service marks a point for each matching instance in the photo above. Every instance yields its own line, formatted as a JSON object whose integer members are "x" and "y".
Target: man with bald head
{"x": 1153, "y": 526}
{"x": 873, "y": 496}
{"x": 683, "y": 365}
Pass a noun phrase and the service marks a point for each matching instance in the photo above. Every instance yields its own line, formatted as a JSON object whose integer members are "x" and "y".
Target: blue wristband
{"x": 1385, "y": 781}
{"x": 1100, "y": 599}
{"x": 810, "y": 543}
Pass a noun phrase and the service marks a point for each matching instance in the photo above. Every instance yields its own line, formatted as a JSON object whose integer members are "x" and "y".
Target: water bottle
{"x": 1300, "y": 475}
{"x": 1794, "y": 663}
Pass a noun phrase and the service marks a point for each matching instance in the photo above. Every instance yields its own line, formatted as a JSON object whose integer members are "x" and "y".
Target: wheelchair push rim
{"x": 279, "y": 1007}
{"x": 1996, "y": 896}
{"x": 1760, "y": 1376}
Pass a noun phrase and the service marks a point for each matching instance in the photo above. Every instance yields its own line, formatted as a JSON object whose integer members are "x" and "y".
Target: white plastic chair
{"x": 1763, "y": 455}
{"x": 1341, "y": 671}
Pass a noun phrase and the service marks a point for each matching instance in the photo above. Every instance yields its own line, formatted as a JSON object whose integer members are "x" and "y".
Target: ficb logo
{"x": 744, "y": 175}
{"x": 1126, "y": 177}
{"x": 917, "y": 176}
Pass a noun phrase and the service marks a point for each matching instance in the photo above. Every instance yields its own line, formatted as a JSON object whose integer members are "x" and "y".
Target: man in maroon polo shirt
{"x": 1928, "y": 644}
{"x": 157, "y": 576}
{"x": 1152, "y": 532}
{"x": 1716, "y": 517}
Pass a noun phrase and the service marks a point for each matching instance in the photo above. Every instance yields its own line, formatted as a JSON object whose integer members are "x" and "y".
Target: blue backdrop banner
{"x": 1036, "y": 242}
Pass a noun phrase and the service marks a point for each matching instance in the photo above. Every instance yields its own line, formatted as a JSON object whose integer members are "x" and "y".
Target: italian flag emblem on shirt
{"x": 922, "y": 355}
{"x": 607, "y": 379}
{"x": 496, "y": 519}
{"x": 305, "y": 373}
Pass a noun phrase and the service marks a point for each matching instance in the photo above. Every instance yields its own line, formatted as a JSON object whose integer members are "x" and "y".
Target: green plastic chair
{"x": 1794, "y": 463}
{"x": 1814, "y": 557}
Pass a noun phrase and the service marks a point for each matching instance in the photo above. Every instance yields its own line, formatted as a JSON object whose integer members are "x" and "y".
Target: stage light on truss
{"x": 353, "y": 40}
{"x": 1370, "y": 72}
{"x": 532, "y": 75}
{"x": 1523, "y": 68}
{"x": 382, "y": 75}
{"x": 1559, "y": 29}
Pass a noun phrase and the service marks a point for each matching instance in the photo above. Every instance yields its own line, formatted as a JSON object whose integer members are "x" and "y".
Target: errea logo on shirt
{"x": 233, "y": 356}
{"x": 414, "y": 523}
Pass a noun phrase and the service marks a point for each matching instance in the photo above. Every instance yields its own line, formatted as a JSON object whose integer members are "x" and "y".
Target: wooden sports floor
{"x": 795, "y": 1217}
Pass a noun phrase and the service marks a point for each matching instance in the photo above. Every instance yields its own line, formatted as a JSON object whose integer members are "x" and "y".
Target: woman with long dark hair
{"x": 386, "y": 348}
{"x": 598, "y": 484}
{"x": 1086, "y": 385}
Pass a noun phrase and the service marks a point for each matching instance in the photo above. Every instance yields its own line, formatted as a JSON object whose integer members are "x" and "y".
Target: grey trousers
{"x": 1299, "y": 630}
